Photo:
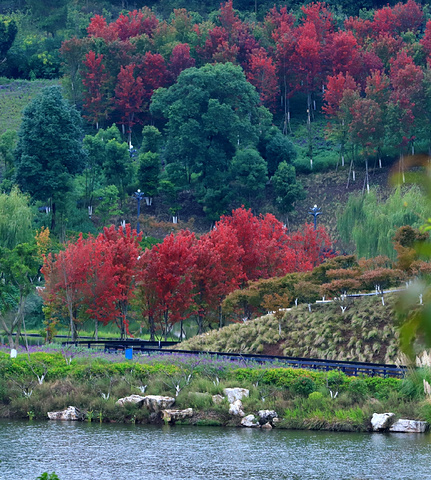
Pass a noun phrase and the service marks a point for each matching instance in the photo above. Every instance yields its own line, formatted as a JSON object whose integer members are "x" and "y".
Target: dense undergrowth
{"x": 365, "y": 332}
{"x": 93, "y": 382}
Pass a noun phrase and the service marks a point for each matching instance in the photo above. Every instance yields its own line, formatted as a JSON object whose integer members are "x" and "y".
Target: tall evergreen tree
{"x": 49, "y": 149}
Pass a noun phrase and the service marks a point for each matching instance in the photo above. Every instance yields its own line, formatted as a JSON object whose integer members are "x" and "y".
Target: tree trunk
{"x": 366, "y": 179}
{"x": 310, "y": 138}
{"x": 166, "y": 319}
{"x": 53, "y": 211}
{"x": 96, "y": 330}
{"x": 286, "y": 101}
{"x": 220, "y": 317}
{"x": 200, "y": 323}
{"x": 152, "y": 328}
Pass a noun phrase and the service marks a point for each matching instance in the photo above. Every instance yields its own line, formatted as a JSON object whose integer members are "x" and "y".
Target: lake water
{"x": 93, "y": 451}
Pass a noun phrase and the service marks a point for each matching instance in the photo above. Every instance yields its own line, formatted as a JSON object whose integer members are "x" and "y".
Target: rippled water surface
{"x": 92, "y": 451}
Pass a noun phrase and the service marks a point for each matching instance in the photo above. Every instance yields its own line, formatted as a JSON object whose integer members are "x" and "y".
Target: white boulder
{"x": 235, "y": 408}
{"x": 382, "y": 421}
{"x": 249, "y": 421}
{"x": 172, "y": 416}
{"x": 217, "y": 399}
{"x": 70, "y": 413}
{"x": 409, "y": 426}
{"x": 157, "y": 403}
{"x": 267, "y": 416}
{"x": 236, "y": 393}
{"x": 137, "y": 399}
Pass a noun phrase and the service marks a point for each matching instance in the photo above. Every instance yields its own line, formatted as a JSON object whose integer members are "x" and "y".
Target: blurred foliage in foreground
{"x": 414, "y": 306}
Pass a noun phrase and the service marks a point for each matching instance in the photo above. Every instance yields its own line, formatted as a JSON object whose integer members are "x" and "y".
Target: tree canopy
{"x": 211, "y": 112}
{"x": 49, "y": 149}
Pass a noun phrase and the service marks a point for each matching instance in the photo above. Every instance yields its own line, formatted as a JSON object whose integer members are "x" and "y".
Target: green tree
{"x": 7, "y": 146}
{"x": 380, "y": 220}
{"x": 278, "y": 149}
{"x": 16, "y": 218}
{"x": 148, "y": 173}
{"x": 117, "y": 166}
{"x": 95, "y": 149}
{"x": 151, "y": 139}
{"x": 211, "y": 112}
{"x": 249, "y": 174}
{"x": 108, "y": 201}
{"x": 51, "y": 15}
{"x": 8, "y": 31}
{"x": 19, "y": 268}
{"x": 287, "y": 189}
{"x": 49, "y": 150}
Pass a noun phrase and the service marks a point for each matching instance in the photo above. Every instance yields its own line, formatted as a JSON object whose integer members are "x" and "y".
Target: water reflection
{"x": 95, "y": 451}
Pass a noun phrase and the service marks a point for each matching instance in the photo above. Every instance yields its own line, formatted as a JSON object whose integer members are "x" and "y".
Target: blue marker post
{"x": 139, "y": 196}
{"x": 315, "y": 211}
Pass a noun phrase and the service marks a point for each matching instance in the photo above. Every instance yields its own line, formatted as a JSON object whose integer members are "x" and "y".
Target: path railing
{"x": 160, "y": 348}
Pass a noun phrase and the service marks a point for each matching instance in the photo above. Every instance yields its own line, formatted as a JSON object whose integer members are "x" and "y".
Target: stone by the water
{"x": 409, "y": 426}
{"x": 157, "y": 403}
{"x": 137, "y": 399}
{"x": 249, "y": 421}
{"x": 236, "y": 393}
{"x": 235, "y": 409}
{"x": 267, "y": 416}
{"x": 69, "y": 414}
{"x": 382, "y": 421}
{"x": 172, "y": 416}
{"x": 266, "y": 426}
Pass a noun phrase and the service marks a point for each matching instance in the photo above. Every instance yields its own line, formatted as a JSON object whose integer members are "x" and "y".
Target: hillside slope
{"x": 366, "y": 332}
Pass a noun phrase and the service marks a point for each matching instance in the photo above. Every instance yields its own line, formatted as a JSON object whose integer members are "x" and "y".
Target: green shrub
{"x": 357, "y": 389}
{"x": 47, "y": 476}
{"x": 336, "y": 380}
{"x": 354, "y": 415}
{"x": 303, "y": 386}
{"x": 425, "y": 411}
{"x": 195, "y": 400}
{"x": 381, "y": 387}
{"x": 412, "y": 386}
{"x": 315, "y": 396}
{"x": 202, "y": 384}
{"x": 316, "y": 399}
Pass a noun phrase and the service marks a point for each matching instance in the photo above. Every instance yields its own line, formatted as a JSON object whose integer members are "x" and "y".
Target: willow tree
{"x": 16, "y": 219}
{"x": 370, "y": 223}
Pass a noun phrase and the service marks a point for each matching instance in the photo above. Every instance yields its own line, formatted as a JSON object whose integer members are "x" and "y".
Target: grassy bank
{"x": 303, "y": 399}
{"x": 15, "y": 95}
{"x": 366, "y": 332}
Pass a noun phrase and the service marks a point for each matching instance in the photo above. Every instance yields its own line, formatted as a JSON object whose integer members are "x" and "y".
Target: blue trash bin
{"x": 129, "y": 353}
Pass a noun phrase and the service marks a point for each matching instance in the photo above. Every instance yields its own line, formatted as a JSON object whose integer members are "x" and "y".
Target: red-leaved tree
{"x": 261, "y": 73}
{"x": 95, "y": 79}
{"x": 166, "y": 281}
{"x": 125, "y": 251}
{"x": 129, "y": 97}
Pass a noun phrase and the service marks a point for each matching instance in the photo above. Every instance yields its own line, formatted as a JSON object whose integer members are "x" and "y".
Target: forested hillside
{"x": 212, "y": 130}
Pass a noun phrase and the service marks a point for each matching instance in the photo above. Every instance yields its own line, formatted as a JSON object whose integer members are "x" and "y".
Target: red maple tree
{"x": 129, "y": 97}
{"x": 261, "y": 73}
{"x": 95, "y": 79}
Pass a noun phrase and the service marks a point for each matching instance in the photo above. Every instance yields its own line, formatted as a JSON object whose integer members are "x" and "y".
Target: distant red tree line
{"x": 374, "y": 69}
{"x": 103, "y": 277}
